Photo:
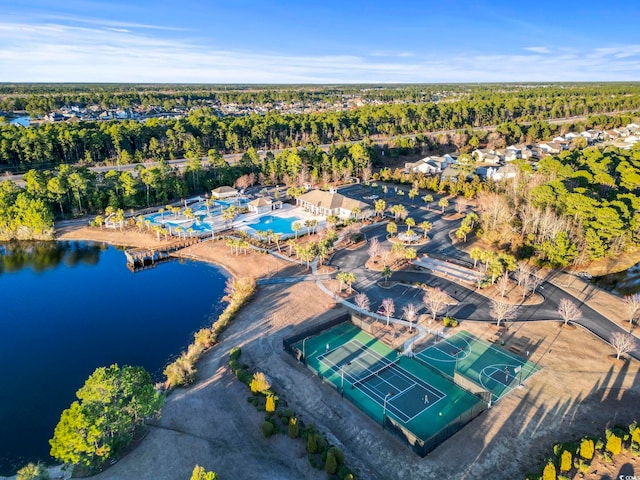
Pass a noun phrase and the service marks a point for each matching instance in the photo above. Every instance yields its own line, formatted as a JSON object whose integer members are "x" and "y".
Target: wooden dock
{"x": 144, "y": 258}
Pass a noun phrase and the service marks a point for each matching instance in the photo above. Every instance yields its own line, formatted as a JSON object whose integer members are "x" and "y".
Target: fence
{"x": 423, "y": 446}
{"x": 289, "y": 342}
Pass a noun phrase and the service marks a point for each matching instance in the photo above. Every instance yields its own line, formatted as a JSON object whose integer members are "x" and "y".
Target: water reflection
{"x": 41, "y": 256}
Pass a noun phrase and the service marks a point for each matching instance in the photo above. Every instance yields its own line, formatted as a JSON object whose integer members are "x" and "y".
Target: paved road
{"x": 472, "y": 305}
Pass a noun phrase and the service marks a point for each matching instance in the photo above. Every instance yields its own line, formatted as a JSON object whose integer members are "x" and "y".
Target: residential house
{"x": 550, "y": 148}
{"x": 502, "y": 173}
{"x": 424, "y": 165}
{"x": 328, "y": 203}
{"x": 481, "y": 154}
{"x": 570, "y": 136}
{"x": 512, "y": 153}
{"x": 54, "y": 117}
{"x": 450, "y": 173}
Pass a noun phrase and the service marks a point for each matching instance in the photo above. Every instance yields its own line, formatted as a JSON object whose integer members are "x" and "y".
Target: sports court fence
{"x": 423, "y": 446}
{"x": 460, "y": 380}
{"x": 289, "y": 342}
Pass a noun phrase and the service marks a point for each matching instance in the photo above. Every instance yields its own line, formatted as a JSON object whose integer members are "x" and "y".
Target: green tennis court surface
{"x": 383, "y": 383}
{"x": 488, "y": 366}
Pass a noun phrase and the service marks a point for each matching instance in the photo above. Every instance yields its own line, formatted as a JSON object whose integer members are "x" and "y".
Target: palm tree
{"x": 476, "y": 254}
{"x": 379, "y": 207}
{"x": 386, "y": 274}
{"x": 425, "y": 226}
{"x": 410, "y": 222}
{"x": 410, "y": 254}
{"x": 427, "y": 199}
{"x": 349, "y": 279}
{"x": 392, "y": 229}
{"x": 413, "y": 193}
{"x": 296, "y": 227}
{"x": 276, "y": 238}
{"x": 342, "y": 278}
{"x": 399, "y": 211}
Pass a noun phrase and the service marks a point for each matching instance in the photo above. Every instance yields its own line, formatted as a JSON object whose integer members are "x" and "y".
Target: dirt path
{"x": 578, "y": 391}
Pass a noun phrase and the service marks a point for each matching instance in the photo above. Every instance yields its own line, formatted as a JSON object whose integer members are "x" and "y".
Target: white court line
{"x": 408, "y": 376}
{"x": 429, "y": 405}
{"x": 506, "y": 354}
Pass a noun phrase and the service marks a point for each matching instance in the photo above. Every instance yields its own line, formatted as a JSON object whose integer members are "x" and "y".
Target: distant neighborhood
{"x": 496, "y": 164}
{"x": 82, "y": 112}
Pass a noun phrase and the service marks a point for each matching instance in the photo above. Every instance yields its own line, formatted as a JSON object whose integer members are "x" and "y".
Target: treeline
{"x": 38, "y": 99}
{"x": 75, "y": 190}
{"x": 202, "y": 130}
{"x": 579, "y": 206}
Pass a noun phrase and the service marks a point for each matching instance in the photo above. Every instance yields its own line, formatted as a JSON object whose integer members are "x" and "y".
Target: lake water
{"x": 67, "y": 308}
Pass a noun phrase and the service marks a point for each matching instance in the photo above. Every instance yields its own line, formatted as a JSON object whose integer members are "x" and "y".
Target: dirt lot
{"x": 578, "y": 391}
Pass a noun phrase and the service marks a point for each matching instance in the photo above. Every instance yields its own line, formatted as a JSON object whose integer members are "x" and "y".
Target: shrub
{"x": 312, "y": 443}
{"x": 33, "y": 471}
{"x": 337, "y": 453}
{"x": 635, "y": 435}
{"x": 331, "y": 465}
{"x": 260, "y": 383}
{"x": 245, "y": 376}
{"x": 234, "y": 353}
{"x": 614, "y": 444}
{"x": 349, "y": 476}
{"x": 549, "y": 472}
{"x": 199, "y": 473}
{"x": 204, "y": 337}
{"x": 566, "y": 461}
{"x": 179, "y": 372}
{"x": 586, "y": 448}
{"x": 449, "y": 322}
{"x": 294, "y": 429}
{"x": 268, "y": 428}
{"x": 584, "y": 466}
{"x": 271, "y": 403}
{"x": 599, "y": 444}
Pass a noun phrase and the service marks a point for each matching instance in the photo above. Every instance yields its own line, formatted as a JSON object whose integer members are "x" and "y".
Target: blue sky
{"x": 251, "y": 41}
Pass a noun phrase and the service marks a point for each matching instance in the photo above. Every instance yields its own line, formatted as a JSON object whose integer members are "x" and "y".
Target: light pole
{"x": 384, "y": 407}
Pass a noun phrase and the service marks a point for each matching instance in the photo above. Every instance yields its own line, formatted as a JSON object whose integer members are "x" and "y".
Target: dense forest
{"x": 576, "y": 207}
{"x": 202, "y": 129}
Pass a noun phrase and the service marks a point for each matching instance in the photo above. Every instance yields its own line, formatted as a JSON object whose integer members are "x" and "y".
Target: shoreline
{"x": 211, "y": 252}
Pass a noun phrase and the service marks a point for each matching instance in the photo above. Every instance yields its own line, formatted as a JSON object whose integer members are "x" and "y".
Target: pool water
{"x": 280, "y": 225}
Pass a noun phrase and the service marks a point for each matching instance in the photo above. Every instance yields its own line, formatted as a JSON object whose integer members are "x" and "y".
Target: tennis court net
{"x": 377, "y": 372}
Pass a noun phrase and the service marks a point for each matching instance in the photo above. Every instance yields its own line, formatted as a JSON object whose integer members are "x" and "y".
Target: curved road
{"x": 471, "y": 305}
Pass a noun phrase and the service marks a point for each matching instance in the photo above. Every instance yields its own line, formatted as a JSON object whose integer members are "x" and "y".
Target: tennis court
{"x": 488, "y": 366}
{"x": 383, "y": 383}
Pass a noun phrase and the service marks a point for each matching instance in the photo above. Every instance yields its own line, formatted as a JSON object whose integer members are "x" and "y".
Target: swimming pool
{"x": 280, "y": 225}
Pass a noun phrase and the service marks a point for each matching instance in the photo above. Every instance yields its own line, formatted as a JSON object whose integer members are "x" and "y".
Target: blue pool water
{"x": 280, "y": 225}
{"x": 68, "y": 308}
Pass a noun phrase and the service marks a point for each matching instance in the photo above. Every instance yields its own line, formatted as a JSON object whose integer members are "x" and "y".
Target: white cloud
{"x": 63, "y": 53}
{"x": 538, "y": 49}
